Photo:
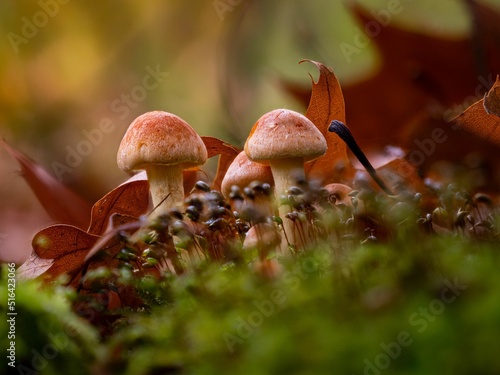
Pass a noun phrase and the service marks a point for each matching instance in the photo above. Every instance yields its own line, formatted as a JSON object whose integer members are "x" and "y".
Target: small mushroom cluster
{"x": 281, "y": 141}
{"x": 285, "y": 140}
{"x": 265, "y": 202}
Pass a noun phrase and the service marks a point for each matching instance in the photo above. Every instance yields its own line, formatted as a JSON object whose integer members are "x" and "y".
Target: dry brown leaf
{"x": 327, "y": 104}
{"x": 62, "y": 204}
{"x": 33, "y": 267}
{"x": 492, "y": 100}
{"x": 417, "y": 71}
{"x": 191, "y": 176}
{"x": 124, "y": 224}
{"x": 394, "y": 169}
{"x": 66, "y": 245}
{"x": 131, "y": 199}
{"x": 477, "y": 123}
{"x": 401, "y": 175}
{"x": 227, "y": 154}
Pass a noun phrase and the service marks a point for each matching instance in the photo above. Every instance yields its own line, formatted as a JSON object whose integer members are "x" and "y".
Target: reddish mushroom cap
{"x": 282, "y": 134}
{"x": 243, "y": 171}
{"x": 160, "y": 138}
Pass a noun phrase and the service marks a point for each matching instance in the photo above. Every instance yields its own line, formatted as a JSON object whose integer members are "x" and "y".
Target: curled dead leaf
{"x": 67, "y": 246}
{"x": 191, "y": 176}
{"x": 491, "y": 100}
{"x": 227, "y": 154}
{"x": 478, "y": 123}
{"x": 327, "y": 104}
{"x": 33, "y": 267}
{"x": 130, "y": 199}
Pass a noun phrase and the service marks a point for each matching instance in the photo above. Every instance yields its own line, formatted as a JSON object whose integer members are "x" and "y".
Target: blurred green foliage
{"x": 426, "y": 307}
{"x": 47, "y": 335}
{"x": 323, "y": 317}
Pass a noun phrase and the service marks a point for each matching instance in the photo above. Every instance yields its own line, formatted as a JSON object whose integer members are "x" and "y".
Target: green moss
{"x": 428, "y": 307}
{"x": 48, "y": 335}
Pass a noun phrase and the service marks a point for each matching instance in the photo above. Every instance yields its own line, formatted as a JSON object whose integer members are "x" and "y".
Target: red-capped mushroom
{"x": 163, "y": 145}
{"x": 285, "y": 140}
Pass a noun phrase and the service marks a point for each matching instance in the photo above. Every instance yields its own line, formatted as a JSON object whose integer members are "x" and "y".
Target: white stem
{"x": 286, "y": 173}
{"x": 165, "y": 181}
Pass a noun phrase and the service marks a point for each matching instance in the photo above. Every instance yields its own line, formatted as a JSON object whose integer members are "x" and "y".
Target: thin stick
{"x": 345, "y": 134}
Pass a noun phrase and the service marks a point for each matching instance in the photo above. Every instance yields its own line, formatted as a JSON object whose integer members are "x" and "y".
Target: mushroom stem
{"x": 286, "y": 173}
{"x": 165, "y": 181}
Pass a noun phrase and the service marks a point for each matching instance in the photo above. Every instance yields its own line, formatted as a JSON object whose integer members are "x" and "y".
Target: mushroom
{"x": 242, "y": 173}
{"x": 338, "y": 194}
{"x": 163, "y": 145}
{"x": 262, "y": 237}
{"x": 343, "y": 198}
{"x": 285, "y": 139}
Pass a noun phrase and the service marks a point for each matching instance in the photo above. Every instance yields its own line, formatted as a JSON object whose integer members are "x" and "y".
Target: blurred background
{"x": 74, "y": 72}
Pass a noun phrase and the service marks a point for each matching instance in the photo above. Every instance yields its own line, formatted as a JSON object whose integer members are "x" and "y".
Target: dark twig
{"x": 345, "y": 134}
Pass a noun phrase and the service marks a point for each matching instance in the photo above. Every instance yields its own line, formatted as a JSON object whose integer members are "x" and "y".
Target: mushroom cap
{"x": 282, "y": 134}
{"x": 339, "y": 193}
{"x": 160, "y": 138}
{"x": 263, "y": 237}
{"x": 243, "y": 171}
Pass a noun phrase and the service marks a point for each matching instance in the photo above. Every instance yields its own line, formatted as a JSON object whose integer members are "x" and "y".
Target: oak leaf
{"x": 129, "y": 199}
{"x": 327, "y": 104}
{"x": 67, "y": 246}
{"x": 227, "y": 154}
{"x": 191, "y": 176}
{"x": 491, "y": 101}
{"x": 481, "y": 119}
{"x": 416, "y": 72}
